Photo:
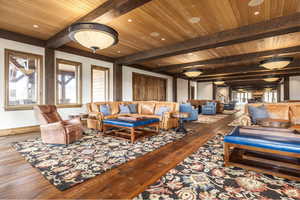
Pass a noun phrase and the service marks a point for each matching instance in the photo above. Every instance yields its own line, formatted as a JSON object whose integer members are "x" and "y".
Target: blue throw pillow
{"x": 132, "y": 108}
{"x": 162, "y": 110}
{"x": 105, "y": 109}
{"x": 124, "y": 109}
{"x": 258, "y": 113}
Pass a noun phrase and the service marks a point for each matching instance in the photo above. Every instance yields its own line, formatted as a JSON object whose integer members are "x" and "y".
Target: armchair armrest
{"x": 53, "y": 133}
{"x": 73, "y": 121}
{"x": 96, "y": 115}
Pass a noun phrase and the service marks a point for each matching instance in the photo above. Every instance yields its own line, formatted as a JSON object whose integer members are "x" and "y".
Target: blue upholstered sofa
{"x": 210, "y": 108}
{"x": 187, "y": 107}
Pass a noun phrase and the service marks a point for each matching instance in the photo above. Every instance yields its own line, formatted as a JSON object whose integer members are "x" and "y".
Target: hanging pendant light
{"x": 192, "y": 73}
{"x": 94, "y": 36}
{"x": 276, "y": 63}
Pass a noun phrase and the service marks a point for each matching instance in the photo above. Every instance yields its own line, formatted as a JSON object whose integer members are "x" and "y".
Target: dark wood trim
{"x": 230, "y": 59}
{"x": 214, "y": 91}
{"x": 21, "y": 38}
{"x": 230, "y": 93}
{"x": 105, "y": 13}
{"x": 189, "y": 89}
{"x": 273, "y": 27}
{"x": 49, "y": 76}
{"x": 175, "y": 89}
{"x": 87, "y": 54}
{"x": 117, "y": 82}
{"x": 286, "y": 85}
{"x": 278, "y": 93}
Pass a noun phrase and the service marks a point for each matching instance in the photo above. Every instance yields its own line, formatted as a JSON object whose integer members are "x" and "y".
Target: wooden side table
{"x": 181, "y": 116}
{"x": 275, "y": 123}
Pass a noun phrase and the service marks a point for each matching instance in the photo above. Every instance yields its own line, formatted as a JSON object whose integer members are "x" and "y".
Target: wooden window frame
{"x": 79, "y": 83}
{"x": 108, "y": 81}
{"x": 9, "y": 52}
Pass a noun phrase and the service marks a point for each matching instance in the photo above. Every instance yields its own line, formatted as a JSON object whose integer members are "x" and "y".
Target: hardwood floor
{"x": 19, "y": 180}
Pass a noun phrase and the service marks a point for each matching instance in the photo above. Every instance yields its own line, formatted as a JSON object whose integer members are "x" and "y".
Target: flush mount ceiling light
{"x": 93, "y": 35}
{"x": 272, "y": 79}
{"x": 192, "y": 73}
{"x": 219, "y": 82}
{"x": 194, "y": 20}
{"x": 276, "y": 63}
{"x": 254, "y": 3}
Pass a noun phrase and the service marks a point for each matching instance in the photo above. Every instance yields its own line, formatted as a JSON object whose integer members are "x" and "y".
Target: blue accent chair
{"x": 187, "y": 107}
{"x": 210, "y": 108}
{"x": 229, "y": 106}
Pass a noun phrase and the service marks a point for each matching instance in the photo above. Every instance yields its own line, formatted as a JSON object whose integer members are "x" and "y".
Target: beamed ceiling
{"x": 229, "y": 40}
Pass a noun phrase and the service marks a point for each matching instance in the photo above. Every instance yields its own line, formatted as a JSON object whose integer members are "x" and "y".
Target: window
{"x": 100, "y": 84}
{"x": 23, "y": 80}
{"x": 68, "y": 83}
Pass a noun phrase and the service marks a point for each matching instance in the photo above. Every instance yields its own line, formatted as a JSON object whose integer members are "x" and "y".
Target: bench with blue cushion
{"x": 264, "y": 144}
{"x": 128, "y": 123}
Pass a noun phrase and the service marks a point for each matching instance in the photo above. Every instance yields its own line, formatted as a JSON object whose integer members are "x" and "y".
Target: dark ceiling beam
{"x": 273, "y": 27}
{"x": 88, "y": 54}
{"x": 230, "y": 59}
{"x": 21, "y": 38}
{"x": 105, "y": 13}
{"x": 290, "y": 72}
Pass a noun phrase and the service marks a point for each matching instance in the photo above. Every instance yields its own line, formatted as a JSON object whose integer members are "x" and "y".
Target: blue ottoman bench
{"x": 133, "y": 126}
{"x": 273, "y": 151}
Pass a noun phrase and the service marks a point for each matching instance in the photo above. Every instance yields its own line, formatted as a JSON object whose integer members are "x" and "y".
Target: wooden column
{"x": 230, "y": 93}
{"x": 189, "y": 89}
{"x": 49, "y": 76}
{"x": 117, "y": 82}
{"x": 175, "y": 89}
{"x": 278, "y": 93}
{"x": 214, "y": 91}
{"x": 286, "y": 85}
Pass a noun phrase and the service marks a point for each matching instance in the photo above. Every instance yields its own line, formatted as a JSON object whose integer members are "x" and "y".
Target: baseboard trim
{"x": 19, "y": 130}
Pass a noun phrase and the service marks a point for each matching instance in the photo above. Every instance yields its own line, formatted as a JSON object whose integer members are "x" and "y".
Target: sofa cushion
{"x": 147, "y": 108}
{"x": 132, "y": 108}
{"x": 105, "y": 109}
{"x": 278, "y": 111}
{"x": 124, "y": 109}
{"x": 295, "y": 114}
{"x": 161, "y": 110}
{"x": 258, "y": 113}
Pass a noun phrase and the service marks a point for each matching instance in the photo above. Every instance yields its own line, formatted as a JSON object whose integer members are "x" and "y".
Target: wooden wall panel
{"x": 147, "y": 88}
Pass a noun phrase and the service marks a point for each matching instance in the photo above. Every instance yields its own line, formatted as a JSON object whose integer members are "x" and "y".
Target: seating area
{"x": 150, "y": 99}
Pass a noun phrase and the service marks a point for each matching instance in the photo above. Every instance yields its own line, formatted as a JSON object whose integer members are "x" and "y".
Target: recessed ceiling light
{"x": 256, "y": 13}
{"x": 119, "y": 51}
{"x": 154, "y": 34}
{"x": 194, "y": 20}
{"x": 35, "y": 26}
{"x": 253, "y": 3}
{"x": 129, "y": 20}
{"x": 163, "y": 39}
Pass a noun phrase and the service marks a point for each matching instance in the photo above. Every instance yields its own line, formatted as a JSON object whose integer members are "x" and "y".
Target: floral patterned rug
{"x": 203, "y": 176}
{"x": 94, "y": 154}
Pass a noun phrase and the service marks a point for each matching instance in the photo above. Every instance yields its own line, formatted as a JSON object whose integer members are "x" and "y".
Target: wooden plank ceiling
{"x": 158, "y": 23}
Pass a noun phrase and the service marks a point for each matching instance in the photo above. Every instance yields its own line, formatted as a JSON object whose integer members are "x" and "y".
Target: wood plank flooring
{"x": 19, "y": 180}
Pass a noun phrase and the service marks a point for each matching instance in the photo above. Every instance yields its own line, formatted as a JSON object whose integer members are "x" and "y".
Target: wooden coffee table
{"x": 130, "y": 129}
{"x": 275, "y": 123}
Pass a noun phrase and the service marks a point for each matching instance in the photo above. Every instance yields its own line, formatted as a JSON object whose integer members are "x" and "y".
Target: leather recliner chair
{"x": 54, "y": 130}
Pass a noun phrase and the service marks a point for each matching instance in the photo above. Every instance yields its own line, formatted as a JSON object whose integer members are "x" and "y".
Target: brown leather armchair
{"x": 54, "y": 130}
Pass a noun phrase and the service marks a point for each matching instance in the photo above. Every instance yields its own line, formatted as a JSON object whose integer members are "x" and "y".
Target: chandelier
{"x": 192, "y": 73}
{"x": 276, "y": 63}
{"x": 94, "y": 36}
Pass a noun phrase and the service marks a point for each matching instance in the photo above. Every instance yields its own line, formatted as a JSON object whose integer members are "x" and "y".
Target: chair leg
{"x": 226, "y": 154}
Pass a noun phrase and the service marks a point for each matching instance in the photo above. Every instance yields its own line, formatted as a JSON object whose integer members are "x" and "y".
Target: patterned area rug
{"x": 94, "y": 154}
{"x": 208, "y": 119}
{"x": 203, "y": 176}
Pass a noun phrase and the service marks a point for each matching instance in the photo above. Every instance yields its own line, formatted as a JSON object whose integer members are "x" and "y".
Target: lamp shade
{"x": 192, "y": 73}
{"x": 271, "y": 79}
{"x": 219, "y": 82}
{"x": 93, "y": 35}
{"x": 276, "y": 63}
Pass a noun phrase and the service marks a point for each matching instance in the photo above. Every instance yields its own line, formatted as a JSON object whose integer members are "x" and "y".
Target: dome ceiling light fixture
{"x": 192, "y": 73}
{"x": 271, "y": 79}
{"x": 219, "y": 82}
{"x": 92, "y": 35}
{"x": 276, "y": 63}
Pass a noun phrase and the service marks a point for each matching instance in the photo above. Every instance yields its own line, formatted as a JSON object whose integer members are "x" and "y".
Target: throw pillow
{"x": 162, "y": 110}
{"x": 105, "y": 109}
{"x": 259, "y": 112}
{"x": 124, "y": 109}
{"x": 132, "y": 108}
